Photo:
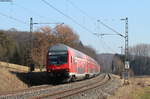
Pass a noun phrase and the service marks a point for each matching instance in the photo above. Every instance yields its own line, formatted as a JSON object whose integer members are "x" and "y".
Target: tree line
{"x": 24, "y": 48}
{"x": 139, "y": 57}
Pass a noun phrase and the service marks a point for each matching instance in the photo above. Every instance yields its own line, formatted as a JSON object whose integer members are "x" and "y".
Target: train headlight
{"x": 49, "y": 53}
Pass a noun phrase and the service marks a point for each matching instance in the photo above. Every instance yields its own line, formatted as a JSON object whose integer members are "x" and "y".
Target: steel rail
{"x": 26, "y": 90}
{"x": 73, "y": 91}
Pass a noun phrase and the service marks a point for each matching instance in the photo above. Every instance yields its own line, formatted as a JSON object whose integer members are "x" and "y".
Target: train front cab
{"x": 58, "y": 62}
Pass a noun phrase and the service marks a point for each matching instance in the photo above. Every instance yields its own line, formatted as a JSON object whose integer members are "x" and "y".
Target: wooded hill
{"x": 24, "y": 48}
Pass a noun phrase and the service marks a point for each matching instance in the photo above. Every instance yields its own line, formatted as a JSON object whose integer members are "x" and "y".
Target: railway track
{"x": 59, "y": 91}
{"x": 74, "y": 91}
{"x": 18, "y": 94}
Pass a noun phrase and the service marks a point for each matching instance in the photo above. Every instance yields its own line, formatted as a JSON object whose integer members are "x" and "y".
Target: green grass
{"x": 142, "y": 94}
{"x": 146, "y": 94}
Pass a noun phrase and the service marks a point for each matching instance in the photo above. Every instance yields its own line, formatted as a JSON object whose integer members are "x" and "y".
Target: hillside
{"x": 106, "y": 61}
{"x": 16, "y": 77}
{"x": 9, "y": 81}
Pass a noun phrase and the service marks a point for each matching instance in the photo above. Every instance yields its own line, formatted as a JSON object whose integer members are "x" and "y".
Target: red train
{"x": 66, "y": 62}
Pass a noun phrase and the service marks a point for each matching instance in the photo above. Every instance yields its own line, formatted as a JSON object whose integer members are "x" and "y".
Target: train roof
{"x": 58, "y": 47}
{"x": 63, "y": 47}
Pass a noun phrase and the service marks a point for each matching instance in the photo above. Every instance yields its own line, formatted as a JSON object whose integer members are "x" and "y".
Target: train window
{"x": 75, "y": 60}
{"x": 52, "y": 59}
{"x": 58, "y": 59}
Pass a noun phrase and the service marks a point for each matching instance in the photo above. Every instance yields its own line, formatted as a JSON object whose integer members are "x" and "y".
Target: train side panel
{"x": 77, "y": 63}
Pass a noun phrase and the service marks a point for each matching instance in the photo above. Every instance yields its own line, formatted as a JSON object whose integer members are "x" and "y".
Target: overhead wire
{"x": 110, "y": 28}
{"x": 67, "y": 16}
{"x": 107, "y": 46}
{"x": 81, "y": 11}
{"x": 73, "y": 19}
{"x": 92, "y": 18}
{"x": 25, "y": 9}
{"x": 29, "y": 10}
{"x": 13, "y": 18}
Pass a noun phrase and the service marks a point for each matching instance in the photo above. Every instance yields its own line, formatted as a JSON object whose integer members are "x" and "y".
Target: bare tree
{"x": 66, "y": 35}
{"x": 139, "y": 57}
{"x": 39, "y": 52}
{"x": 118, "y": 64}
{"x": 47, "y": 37}
{"x": 140, "y": 50}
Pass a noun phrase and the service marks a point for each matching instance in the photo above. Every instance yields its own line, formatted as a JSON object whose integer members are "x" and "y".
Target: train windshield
{"x": 57, "y": 58}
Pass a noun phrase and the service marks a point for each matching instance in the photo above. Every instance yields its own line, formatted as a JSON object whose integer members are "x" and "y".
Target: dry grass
{"x": 18, "y": 67}
{"x": 137, "y": 89}
{"x": 14, "y": 66}
{"x": 15, "y": 77}
{"x": 9, "y": 81}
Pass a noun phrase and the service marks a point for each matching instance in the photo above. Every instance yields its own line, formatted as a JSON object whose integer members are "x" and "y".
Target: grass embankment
{"x": 9, "y": 81}
{"x": 139, "y": 88}
{"x": 15, "y": 77}
{"x": 14, "y": 66}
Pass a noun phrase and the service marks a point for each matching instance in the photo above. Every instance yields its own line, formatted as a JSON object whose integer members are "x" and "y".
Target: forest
{"x": 25, "y": 48}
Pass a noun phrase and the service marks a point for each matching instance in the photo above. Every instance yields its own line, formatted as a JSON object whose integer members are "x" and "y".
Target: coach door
{"x": 88, "y": 67}
{"x": 75, "y": 64}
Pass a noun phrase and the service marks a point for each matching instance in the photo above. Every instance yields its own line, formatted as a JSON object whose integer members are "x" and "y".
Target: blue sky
{"x": 108, "y": 11}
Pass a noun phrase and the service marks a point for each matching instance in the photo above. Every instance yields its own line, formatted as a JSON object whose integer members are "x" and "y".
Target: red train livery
{"x": 64, "y": 61}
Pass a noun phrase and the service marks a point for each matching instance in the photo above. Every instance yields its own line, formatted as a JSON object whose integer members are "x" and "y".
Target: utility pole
{"x": 127, "y": 65}
{"x": 30, "y": 46}
{"x": 31, "y": 31}
{"x": 121, "y": 50}
{"x": 125, "y": 74}
{"x": 31, "y": 37}
{"x": 126, "y": 38}
{"x": 31, "y": 25}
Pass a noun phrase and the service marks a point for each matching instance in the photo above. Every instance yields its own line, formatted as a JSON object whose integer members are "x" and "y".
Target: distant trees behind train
{"x": 24, "y": 48}
{"x": 105, "y": 60}
{"x": 139, "y": 57}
